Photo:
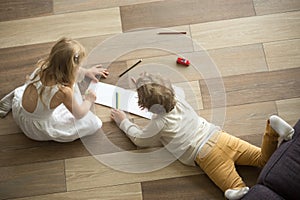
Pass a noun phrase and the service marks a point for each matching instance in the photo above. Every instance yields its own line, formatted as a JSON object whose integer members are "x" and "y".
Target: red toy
{"x": 183, "y": 61}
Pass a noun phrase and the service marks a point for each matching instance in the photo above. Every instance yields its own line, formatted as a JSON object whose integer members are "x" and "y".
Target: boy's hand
{"x": 118, "y": 116}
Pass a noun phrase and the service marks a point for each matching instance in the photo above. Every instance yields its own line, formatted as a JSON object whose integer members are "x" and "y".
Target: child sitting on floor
{"x": 193, "y": 140}
{"x": 49, "y": 105}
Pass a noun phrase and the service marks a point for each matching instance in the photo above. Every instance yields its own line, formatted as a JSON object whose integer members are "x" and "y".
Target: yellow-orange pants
{"x": 218, "y": 157}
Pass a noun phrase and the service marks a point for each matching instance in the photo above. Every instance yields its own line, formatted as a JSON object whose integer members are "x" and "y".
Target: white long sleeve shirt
{"x": 181, "y": 131}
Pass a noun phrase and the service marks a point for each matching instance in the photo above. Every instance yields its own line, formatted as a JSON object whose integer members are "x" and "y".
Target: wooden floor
{"x": 254, "y": 43}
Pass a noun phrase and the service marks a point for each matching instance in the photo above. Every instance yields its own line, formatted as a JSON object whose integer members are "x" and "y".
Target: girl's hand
{"x": 90, "y": 96}
{"x": 118, "y": 116}
{"x": 93, "y": 72}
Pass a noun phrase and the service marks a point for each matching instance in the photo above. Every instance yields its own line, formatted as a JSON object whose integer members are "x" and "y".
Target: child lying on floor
{"x": 193, "y": 140}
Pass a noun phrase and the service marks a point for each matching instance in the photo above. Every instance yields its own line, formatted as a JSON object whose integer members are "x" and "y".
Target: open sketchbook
{"x": 125, "y": 99}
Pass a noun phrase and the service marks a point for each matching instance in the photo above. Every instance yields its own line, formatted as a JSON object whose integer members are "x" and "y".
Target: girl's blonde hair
{"x": 65, "y": 56}
{"x": 155, "y": 93}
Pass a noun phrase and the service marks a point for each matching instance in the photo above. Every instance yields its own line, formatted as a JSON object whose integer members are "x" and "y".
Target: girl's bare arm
{"x": 71, "y": 104}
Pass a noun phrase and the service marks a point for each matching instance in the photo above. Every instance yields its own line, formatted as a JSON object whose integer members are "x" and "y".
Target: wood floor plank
{"x": 166, "y": 66}
{"x": 16, "y": 9}
{"x": 254, "y": 88}
{"x": 32, "y": 179}
{"x": 16, "y": 149}
{"x": 90, "y": 43}
{"x": 192, "y": 187}
{"x": 239, "y": 60}
{"x": 227, "y": 61}
{"x": 248, "y": 30}
{"x": 51, "y": 28}
{"x": 172, "y": 45}
{"x": 283, "y": 54}
{"x": 124, "y": 192}
{"x": 249, "y": 174}
{"x": 183, "y": 188}
{"x": 103, "y": 112}
{"x": 87, "y": 172}
{"x": 239, "y": 119}
{"x": 17, "y": 62}
{"x": 61, "y": 6}
{"x": 289, "y": 109}
{"x": 109, "y": 139}
{"x": 255, "y": 139}
{"x": 263, "y": 7}
{"x": 192, "y": 93}
{"x": 182, "y": 12}
{"x": 8, "y": 125}
{"x": 18, "y": 75}
{"x": 142, "y": 44}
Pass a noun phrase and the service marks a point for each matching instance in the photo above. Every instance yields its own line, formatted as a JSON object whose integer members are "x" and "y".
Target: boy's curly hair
{"x": 155, "y": 93}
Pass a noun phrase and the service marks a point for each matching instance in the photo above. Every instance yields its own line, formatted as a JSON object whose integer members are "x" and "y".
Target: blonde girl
{"x": 49, "y": 105}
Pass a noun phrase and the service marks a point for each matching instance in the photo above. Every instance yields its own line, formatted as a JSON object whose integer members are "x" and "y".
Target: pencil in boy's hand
{"x": 130, "y": 68}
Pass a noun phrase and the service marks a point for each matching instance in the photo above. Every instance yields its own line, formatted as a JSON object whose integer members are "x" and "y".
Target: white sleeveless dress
{"x": 52, "y": 124}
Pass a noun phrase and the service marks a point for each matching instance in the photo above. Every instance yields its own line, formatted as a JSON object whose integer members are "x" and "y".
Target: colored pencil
{"x": 130, "y": 68}
{"x": 117, "y": 100}
{"x": 175, "y": 32}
